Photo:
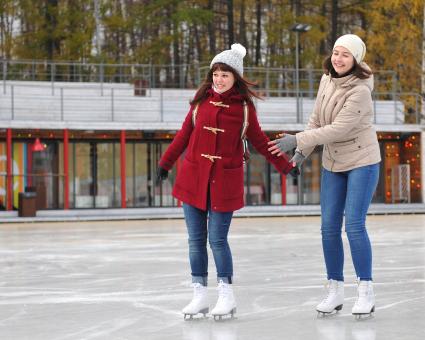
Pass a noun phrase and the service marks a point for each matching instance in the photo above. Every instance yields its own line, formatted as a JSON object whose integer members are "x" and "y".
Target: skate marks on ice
{"x": 210, "y": 331}
{"x": 76, "y": 281}
{"x": 342, "y": 329}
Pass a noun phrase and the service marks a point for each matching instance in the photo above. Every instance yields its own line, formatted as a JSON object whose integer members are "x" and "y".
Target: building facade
{"x": 97, "y": 145}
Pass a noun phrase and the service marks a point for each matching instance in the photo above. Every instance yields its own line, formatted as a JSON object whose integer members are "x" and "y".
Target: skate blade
{"x": 225, "y": 317}
{"x": 321, "y": 314}
{"x": 190, "y": 317}
{"x": 364, "y": 316}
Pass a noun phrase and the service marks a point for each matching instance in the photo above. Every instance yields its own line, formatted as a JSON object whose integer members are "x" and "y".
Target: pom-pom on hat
{"x": 233, "y": 58}
{"x": 354, "y": 44}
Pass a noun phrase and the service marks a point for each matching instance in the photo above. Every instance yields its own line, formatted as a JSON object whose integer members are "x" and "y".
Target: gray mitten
{"x": 298, "y": 158}
{"x": 286, "y": 143}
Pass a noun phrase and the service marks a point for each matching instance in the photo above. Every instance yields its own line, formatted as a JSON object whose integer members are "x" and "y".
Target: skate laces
{"x": 197, "y": 289}
{"x": 332, "y": 287}
{"x": 223, "y": 289}
{"x": 363, "y": 288}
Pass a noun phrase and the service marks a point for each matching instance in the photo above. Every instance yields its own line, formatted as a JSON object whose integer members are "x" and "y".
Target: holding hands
{"x": 298, "y": 159}
{"x": 283, "y": 144}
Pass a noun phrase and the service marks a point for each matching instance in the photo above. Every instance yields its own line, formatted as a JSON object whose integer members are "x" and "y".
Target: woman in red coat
{"x": 210, "y": 181}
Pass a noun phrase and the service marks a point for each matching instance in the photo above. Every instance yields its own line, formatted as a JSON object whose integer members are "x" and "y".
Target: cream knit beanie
{"x": 354, "y": 44}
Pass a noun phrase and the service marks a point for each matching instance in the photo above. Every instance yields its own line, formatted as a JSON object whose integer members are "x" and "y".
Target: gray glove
{"x": 286, "y": 143}
{"x": 298, "y": 158}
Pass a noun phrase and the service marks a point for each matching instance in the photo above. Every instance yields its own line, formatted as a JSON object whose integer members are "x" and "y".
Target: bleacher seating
{"x": 95, "y": 102}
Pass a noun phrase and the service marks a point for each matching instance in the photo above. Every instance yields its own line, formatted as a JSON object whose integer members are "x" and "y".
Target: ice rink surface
{"x": 130, "y": 279}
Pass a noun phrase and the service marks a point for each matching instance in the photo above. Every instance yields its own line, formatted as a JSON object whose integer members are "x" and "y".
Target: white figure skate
{"x": 365, "y": 303}
{"x": 226, "y": 304}
{"x": 199, "y": 303}
{"x": 334, "y": 300}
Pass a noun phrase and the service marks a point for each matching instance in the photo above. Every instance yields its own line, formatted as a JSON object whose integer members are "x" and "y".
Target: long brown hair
{"x": 357, "y": 70}
{"x": 242, "y": 85}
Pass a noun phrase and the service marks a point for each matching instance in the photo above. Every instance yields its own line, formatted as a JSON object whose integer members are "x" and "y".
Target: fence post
{"x": 181, "y": 76}
{"x": 394, "y": 87}
{"x": 112, "y": 104}
{"x": 374, "y": 107}
{"x": 101, "y": 75}
{"x": 62, "y": 113}
{"x": 198, "y": 81}
{"x": 267, "y": 82}
{"x": 310, "y": 83}
{"x": 417, "y": 108}
{"x": 4, "y": 75}
{"x": 52, "y": 76}
{"x": 395, "y": 110}
{"x": 152, "y": 68}
{"x": 12, "y": 98}
{"x": 161, "y": 105}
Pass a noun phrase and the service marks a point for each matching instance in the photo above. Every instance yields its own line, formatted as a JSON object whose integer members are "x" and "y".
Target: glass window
{"x": 258, "y": 177}
{"x": 166, "y": 187}
{"x": 311, "y": 170}
{"x": 82, "y": 180}
{"x": 19, "y": 154}
{"x": 276, "y": 186}
{"x": 45, "y": 170}
{"x": 141, "y": 192}
{"x": 129, "y": 173}
{"x": 61, "y": 173}
{"x": 107, "y": 174}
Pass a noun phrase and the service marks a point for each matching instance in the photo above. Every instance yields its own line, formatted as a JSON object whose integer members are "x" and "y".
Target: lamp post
{"x": 298, "y": 28}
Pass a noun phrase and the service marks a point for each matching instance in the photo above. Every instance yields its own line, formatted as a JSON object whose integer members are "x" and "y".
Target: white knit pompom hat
{"x": 354, "y": 44}
{"x": 233, "y": 58}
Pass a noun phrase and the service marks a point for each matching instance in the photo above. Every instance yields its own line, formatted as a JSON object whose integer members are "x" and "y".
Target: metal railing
{"x": 122, "y": 84}
{"x": 282, "y": 81}
{"x": 168, "y": 76}
{"x": 154, "y": 76}
{"x": 116, "y": 103}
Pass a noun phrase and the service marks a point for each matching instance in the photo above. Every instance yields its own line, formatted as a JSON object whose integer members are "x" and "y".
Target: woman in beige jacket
{"x": 341, "y": 122}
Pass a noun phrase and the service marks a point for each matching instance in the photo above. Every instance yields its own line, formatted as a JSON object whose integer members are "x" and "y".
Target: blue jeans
{"x": 217, "y": 231}
{"x": 350, "y": 192}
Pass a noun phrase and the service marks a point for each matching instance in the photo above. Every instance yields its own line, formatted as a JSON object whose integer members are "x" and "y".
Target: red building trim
{"x": 65, "y": 169}
{"x": 123, "y": 171}
{"x": 9, "y": 177}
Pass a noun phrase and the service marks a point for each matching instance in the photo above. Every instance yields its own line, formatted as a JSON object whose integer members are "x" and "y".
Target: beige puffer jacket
{"x": 342, "y": 122}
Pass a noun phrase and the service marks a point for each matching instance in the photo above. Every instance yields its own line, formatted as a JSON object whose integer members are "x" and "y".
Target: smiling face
{"x": 223, "y": 80}
{"x": 342, "y": 60}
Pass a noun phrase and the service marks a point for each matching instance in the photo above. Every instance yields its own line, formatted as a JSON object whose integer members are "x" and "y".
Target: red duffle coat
{"x": 217, "y": 133}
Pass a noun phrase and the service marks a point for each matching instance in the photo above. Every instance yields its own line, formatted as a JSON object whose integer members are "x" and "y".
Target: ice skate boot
{"x": 226, "y": 304}
{"x": 365, "y": 303}
{"x": 334, "y": 300}
{"x": 199, "y": 303}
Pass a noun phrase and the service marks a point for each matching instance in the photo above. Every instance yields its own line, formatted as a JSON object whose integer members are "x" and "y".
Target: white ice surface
{"x": 129, "y": 280}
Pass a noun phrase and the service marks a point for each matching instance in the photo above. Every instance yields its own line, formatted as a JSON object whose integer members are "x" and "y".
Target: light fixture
{"x": 300, "y": 27}
{"x": 38, "y": 146}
